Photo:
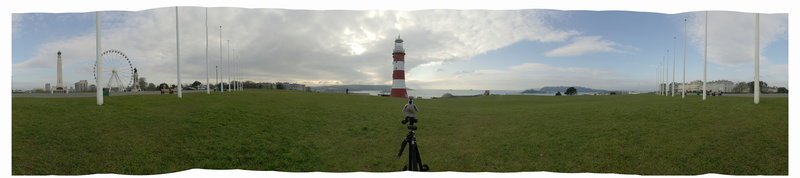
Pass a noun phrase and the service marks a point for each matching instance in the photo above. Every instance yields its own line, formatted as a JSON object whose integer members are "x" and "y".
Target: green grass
{"x": 298, "y": 131}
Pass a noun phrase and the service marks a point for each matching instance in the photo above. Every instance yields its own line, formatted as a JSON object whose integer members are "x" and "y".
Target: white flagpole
{"x": 683, "y": 87}
{"x": 666, "y": 74}
{"x": 674, "y": 47}
{"x": 221, "y": 86}
{"x": 238, "y": 78}
{"x": 661, "y": 77}
{"x": 97, "y": 59}
{"x": 661, "y": 83}
{"x": 235, "y": 68}
{"x": 238, "y": 63}
{"x": 208, "y": 82}
{"x": 705, "y": 59}
{"x": 178, "y": 52}
{"x": 216, "y": 73}
{"x": 757, "y": 81}
{"x": 239, "y": 72}
{"x": 229, "y": 65}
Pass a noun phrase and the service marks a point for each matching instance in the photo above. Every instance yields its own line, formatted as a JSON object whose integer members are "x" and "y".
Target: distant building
{"x": 720, "y": 85}
{"x": 772, "y": 89}
{"x": 691, "y": 87}
{"x": 694, "y": 86}
{"x": 266, "y": 85}
{"x": 676, "y": 86}
{"x": 297, "y": 87}
{"x": 82, "y": 86}
{"x": 47, "y": 87}
{"x": 92, "y": 87}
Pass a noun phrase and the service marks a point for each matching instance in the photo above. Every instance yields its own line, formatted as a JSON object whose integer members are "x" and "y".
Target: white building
{"x": 81, "y": 86}
{"x": 720, "y": 85}
{"x": 695, "y": 86}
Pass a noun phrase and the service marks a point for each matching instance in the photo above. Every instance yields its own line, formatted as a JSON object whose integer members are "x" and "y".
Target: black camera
{"x": 410, "y": 120}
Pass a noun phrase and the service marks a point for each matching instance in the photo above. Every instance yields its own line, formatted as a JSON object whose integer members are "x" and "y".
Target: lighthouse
{"x": 398, "y": 75}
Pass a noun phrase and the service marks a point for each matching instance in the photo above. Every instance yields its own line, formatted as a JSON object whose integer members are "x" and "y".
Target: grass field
{"x": 299, "y": 131}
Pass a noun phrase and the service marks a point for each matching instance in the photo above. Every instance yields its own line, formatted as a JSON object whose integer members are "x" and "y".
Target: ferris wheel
{"x": 117, "y": 71}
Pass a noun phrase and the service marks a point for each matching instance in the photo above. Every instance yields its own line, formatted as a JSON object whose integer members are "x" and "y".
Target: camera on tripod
{"x": 414, "y": 159}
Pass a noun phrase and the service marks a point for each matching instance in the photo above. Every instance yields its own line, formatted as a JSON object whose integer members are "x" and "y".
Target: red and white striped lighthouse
{"x": 399, "y": 75}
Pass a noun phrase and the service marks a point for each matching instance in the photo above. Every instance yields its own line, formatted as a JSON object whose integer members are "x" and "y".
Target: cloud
{"x": 492, "y": 79}
{"x": 530, "y": 75}
{"x": 314, "y": 47}
{"x": 584, "y": 45}
{"x": 731, "y": 35}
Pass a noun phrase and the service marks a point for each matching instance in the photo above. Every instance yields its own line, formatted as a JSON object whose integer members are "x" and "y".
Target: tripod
{"x": 414, "y": 160}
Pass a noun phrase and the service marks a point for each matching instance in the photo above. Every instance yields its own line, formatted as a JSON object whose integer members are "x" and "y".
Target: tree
{"x": 249, "y": 84}
{"x": 742, "y": 87}
{"x": 571, "y": 91}
{"x": 151, "y": 87}
{"x": 163, "y": 86}
{"x": 762, "y": 84}
{"x": 558, "y": 93}
{"x": 142, "y": 83}
{"x": 783, "y": 90}
{"x": 196, "y": 84}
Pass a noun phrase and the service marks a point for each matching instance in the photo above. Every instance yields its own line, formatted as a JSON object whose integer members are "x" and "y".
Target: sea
{"x": 430, "y": 93}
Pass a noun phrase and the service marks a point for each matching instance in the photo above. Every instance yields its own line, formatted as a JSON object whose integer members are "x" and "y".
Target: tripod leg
{"x": 402, "y": 148}
{"x": 418, "y": 158}
{"x": 412, "y": 158}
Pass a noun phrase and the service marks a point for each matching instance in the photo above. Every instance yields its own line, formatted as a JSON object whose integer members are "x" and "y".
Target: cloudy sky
{"x": 445, "y": 49}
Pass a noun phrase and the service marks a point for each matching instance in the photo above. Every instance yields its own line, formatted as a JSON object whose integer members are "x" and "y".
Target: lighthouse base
{"x": 399, "y": 93}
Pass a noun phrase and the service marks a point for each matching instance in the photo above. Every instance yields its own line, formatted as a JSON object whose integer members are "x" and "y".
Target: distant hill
{"x": 563, "y": 89}
{"x": 342, "y": 88}
{"x": 533, "y": 91}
